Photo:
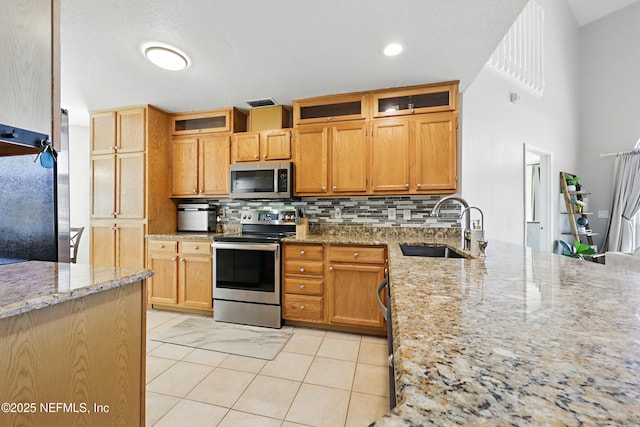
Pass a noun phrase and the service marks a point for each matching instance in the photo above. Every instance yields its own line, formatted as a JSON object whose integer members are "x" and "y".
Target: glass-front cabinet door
{"x": 416, "y": 100}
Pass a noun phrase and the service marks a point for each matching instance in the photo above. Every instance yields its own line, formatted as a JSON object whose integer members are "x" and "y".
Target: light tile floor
{"x": 319, "y": 378}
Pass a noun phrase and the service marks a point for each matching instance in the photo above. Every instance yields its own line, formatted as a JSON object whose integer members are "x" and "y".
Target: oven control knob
{"x": 249, "y": 217}
{"x": 244, "y": 217}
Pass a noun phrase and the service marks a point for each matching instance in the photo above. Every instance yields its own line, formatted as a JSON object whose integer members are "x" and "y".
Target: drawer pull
{"x": 301, "y": 252}
{"x": 302, "y": 270}
{"x": 195, "y": 248}
{"x": 161, "y": 246}
{"x": 302, "y": 307}
{"x": 355, "y": 255}
{"x": 330, "y": 268}
{"x": 301, "y": 286}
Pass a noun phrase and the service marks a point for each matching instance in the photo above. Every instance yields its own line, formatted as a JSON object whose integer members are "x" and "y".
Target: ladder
{"x": 572, "y": 201}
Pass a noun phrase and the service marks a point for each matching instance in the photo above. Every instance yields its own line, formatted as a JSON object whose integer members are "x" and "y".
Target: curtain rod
{"x": 620, "y": 153}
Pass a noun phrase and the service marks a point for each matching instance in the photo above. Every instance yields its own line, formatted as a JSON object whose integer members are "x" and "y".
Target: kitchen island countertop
{"x": 31, "y": 285}
{"x": 518, "y": 338}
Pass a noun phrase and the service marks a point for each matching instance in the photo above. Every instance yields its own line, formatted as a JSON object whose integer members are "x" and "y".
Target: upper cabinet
{"x": 220, "y": 120}
{"x": 330, "y": 109}
{"x": 119, "y": 131}
{"x": 265, "y": 146}
{"x": 415, "y": 100}
{"x": 200, "y": 166}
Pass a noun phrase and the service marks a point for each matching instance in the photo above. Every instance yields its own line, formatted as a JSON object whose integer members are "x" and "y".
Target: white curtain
{"x": 626, "y": 203}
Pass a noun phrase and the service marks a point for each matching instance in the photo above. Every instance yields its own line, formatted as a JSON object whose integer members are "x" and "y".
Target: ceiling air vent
{"x": 261, "y": 103}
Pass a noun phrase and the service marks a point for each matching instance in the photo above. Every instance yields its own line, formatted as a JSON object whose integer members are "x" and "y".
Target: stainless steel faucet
{"x": 481, "y": 242}
{"x": 467, "y": 225}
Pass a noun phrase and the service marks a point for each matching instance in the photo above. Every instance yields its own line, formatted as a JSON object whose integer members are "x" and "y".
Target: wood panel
{"x": 131, "y": 130}
{"x": 215, "y": 152}
{"x": 130, "y": 245}
{"x": 102, "y": 243}
{"x": 303, "y": 268}
{"x": 276, "y": 145}
{"x": 349, "y": 158}
{"x": 301, "y": 251}
{"x": 303, "y": 286}
{"x": 185, "y": 166}
{"x": 352, "y": 295}
{"x": 27, "y": 29}
{"x": 107, "y": 365}
{"x": 130, "y": 185}
{"x": 390, "y": 156}
{"x": 163, "y": 285}
{"x": 311, "y": 160}
{"x": 352, "y": 254}
{"x": 303, "y": 307}
{"x": 103, "y": 186}
{"x": 103, "y": 132}
{"x": 246, "y": 147}
{"x": 195, "y": 279}
{"x": 436, "y": 152}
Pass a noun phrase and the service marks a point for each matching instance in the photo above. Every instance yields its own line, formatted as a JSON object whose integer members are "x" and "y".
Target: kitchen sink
{"x": 429, "y": 251}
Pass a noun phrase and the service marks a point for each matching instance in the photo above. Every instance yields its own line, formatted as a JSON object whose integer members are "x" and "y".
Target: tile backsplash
{"x": 359, "y": 210}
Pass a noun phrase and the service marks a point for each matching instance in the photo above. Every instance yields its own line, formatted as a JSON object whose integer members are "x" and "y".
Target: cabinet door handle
{"x": 264, "y": 156}
{"x": 301, "y": 286}
{"x": 201, "y": 191}
{"x": 182, "y": 260}
{"x": 301, "y": 252}
{"x": 330, "y": 268}
{"x": 324, "y": 188}
{"x": 406, "y": 186}
{"x": 419, "y": 185}
{"x": 329, "y": 118}
{"x": 302, "y": 270}
{"x": 195, "y": 191}
{"x": 334, "y": 188}
{"x": 302, "y": 307}
{"x": 173, "y": 259}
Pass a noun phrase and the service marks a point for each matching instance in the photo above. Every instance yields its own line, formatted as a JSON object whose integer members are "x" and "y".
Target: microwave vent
{"x": 267, "y": 102}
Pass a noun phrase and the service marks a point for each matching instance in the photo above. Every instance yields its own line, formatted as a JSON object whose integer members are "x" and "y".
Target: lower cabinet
{"x": 118, "y": 243}
{"x": 182, "y": 275}
{"x": 333, "y": 284}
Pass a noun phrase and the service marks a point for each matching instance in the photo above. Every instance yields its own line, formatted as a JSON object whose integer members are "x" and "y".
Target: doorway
{"x": 537, "y": 198}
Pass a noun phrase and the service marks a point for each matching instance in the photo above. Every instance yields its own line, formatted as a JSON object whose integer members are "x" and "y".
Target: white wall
{"x": 494, "y": 130}
{"x": 79, "y": 186}
{"x": 610, "y": 107}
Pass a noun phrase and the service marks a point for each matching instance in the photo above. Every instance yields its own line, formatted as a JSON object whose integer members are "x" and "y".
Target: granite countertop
{"x": 32, "y": 285}
{"x": 188, "y": 235}
{"x": 517, "y": 338}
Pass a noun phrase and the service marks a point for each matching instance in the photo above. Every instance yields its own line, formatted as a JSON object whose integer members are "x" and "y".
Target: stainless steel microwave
{"x": 266, "y": 180}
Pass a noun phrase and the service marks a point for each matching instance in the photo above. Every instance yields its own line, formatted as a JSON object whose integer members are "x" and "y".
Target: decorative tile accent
{"x": 352, "y": 210}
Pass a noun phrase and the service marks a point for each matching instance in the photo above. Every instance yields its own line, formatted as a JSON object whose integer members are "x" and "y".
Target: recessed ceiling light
{"x": 165, "y": 56}
{"x": 393, "y": 49}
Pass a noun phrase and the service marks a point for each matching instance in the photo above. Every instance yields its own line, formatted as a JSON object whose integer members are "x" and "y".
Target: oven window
{"x": 245, "y": 270}
{"x": 259, "y": 181}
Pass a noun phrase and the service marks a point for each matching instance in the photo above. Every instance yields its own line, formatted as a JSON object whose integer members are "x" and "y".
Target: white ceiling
{"x": 587, "y": 11}
{"x": 281, "y": 49}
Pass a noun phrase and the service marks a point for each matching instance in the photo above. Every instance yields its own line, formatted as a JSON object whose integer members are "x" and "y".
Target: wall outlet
{"x": 406, "y": 214}
{"x": 338, "y": 212}
{"x": 603, "y": 214}
{"x": 392, "y": 214}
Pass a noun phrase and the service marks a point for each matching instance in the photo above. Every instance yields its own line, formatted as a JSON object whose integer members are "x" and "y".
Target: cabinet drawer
{"x": 304, "y": 268}
{"x": 163, "y": 246}
{"x": 302, "y": 307}
{"x": 303, "y": 286}
{"x": 295, "y": 251}
{"x": 369, "y": 254}
{"x": 202, "y": 247}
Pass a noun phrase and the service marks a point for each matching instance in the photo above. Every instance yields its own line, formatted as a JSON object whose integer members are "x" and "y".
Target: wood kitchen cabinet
{"x": 418, "y": 155}
{"x": 354, "y": 275}
{"x": 431, "y": 98}
{"x": 265, "y": 146}
{"x": 332, "y": 108}
{"x": 207, "y": 121}
{"x": 303, "y": 284}
{"x": 128, "y": 196}
{"x": 118, "y": 243}
{"x": 182, "y": 274}
{"x": 332, "y": 160}
{"x": 333, "y": 285}
{"x": 201, "y": 165}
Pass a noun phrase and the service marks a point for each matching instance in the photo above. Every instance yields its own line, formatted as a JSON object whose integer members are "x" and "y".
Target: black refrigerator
{"x": 34, "y": 200}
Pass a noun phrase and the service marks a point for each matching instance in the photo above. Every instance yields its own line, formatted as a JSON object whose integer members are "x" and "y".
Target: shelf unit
{"x": 570, "y": 198}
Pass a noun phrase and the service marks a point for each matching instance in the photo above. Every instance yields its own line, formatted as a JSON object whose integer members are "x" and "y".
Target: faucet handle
{"x": 482, "y": 243}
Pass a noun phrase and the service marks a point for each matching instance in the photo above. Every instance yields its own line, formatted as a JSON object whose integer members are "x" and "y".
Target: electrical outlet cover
{"x": 603, "y": 214}
{"x": 392, "y": 214}
{"x": 406, "y": 214}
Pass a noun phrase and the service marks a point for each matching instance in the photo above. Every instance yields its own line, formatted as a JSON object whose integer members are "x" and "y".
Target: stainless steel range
{"x": 247, "y": 269}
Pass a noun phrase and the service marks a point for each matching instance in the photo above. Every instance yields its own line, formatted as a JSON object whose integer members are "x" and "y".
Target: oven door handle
{"x": 246, "y": 246}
